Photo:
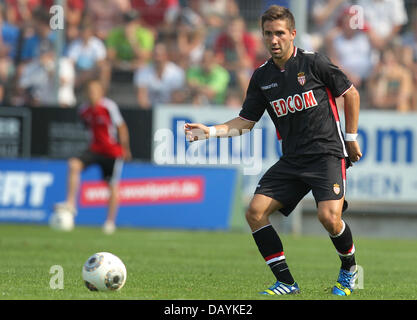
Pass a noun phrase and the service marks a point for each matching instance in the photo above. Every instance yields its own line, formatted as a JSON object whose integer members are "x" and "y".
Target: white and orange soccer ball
{"x": 104, "y": 271}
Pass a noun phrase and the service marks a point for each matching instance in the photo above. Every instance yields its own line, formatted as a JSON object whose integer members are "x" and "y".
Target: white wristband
{"x": 351, "y": 136}
{"x": 212, "y": 132}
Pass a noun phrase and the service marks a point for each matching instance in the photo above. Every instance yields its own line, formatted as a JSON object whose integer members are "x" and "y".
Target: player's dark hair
{"x": 276, "y": 12}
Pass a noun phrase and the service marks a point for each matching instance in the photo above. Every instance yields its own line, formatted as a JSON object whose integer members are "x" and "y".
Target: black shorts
{"x": 111, "y": 168}
{"x": 289, "y": 180}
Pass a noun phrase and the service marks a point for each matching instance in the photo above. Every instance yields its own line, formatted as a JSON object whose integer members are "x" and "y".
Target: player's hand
{"x": 127, "y": 155}
{"x": 353, "y": 150}
{"x": 196, "y": 131}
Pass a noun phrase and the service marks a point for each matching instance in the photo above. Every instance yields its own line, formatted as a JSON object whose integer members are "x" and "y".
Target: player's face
{"x": 95, "y": 92}
{"x": 278, "y": 39}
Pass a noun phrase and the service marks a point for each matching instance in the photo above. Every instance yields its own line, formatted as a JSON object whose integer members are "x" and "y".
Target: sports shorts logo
{"x": 336, "y": 188}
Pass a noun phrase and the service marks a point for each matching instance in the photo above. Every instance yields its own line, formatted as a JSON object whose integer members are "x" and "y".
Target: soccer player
{"x": 109, "y": 148}
{"x": 298, "y": 89}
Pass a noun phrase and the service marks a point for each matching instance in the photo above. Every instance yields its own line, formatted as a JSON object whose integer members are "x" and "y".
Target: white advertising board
{"x": 386, "y": 172}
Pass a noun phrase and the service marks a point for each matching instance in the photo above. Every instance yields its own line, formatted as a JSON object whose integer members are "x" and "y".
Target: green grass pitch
{"x": 195, "y": 265}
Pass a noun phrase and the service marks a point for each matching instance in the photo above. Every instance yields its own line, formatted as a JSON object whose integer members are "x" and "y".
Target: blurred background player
{"x": 109, "y": 148}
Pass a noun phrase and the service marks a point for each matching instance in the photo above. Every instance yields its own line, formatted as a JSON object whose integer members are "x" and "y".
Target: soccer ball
{"x": 104, "y": 271}
{"x": 62, "y": 220}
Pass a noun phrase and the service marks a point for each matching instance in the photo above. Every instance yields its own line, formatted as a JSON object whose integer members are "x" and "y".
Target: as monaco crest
{"x": 301, "y": 78}
{"x": 336, "y": 188}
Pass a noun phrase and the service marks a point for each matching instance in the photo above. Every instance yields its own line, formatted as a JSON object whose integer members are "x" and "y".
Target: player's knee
{"x": 75, "y": 165}
{"x": 330, "y": 220}
{"x": 253, "y": 216}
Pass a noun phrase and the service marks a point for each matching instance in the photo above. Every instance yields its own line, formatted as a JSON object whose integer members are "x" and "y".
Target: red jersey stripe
{"x": 333, "y": 105}
{"x": 278, "y": 135}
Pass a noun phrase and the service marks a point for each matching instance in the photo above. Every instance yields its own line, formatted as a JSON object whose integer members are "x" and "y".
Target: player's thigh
{"x": 111, "y": 169}
{"x": 326, "y": 176}
{"x": 82, "y": 161}
{"x": 282, "y": 183}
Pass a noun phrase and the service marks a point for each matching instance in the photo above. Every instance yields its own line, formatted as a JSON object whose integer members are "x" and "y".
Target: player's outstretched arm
{"x": 352, "y": 106}
{"x": 234, "y": 127}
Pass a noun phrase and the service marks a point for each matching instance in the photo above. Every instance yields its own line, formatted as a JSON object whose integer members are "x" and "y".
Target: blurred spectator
{"x": 325, "y": 14}
{"x": 9, "y": 35}
{"x": 189, "y": 38}
{"x": 261, "y": 53}
{"x": 350, "y": 49}
{"x": 213, "y": 8}
{"x": 35, "y": 32}
{"x": 157, "y": 15}
{"x": 37, "y": 82}
{"x": 409, "y": 54}
{"x": 207, "y": 83}
{"x": 234, "y": 99}
{"x": 215, "y": 11}
{"x": 216, "y": 15}
{"x": 130, "y": 45}
{"x": 88, "y": 53}
{"x": 236, "y": 51}
{"x": 158, "y": 81}
{"x": 391, "y": 84}
{"x": 106, "y": 15}
{"x": 73, "y": 18}
{"x": 73, "y": 10}
{"x": 384, "y": 18}
{"x": 18, "y": 12}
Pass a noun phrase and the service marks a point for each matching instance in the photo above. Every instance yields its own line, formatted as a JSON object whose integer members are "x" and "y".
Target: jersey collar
{"x": 292, "y": 57}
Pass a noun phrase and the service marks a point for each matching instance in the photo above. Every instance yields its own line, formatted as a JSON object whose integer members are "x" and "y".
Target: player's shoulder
{"x": 316, "y": 60}
{"x": 310, "y": 56}
{"x": 314, "y": 57}
{"x": 109, "y": 103}
{"x": 262, "y": 69}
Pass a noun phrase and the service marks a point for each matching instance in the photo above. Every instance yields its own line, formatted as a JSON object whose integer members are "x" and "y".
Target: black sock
{"x": 270, "y": 246}
{"x": 345, "y": 248}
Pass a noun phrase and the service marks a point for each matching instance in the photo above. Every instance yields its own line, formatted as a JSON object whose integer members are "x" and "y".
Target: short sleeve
{"x": 332, "y": 77}
{"x": 114, "y": 111}
{"x": 255, "y": 103}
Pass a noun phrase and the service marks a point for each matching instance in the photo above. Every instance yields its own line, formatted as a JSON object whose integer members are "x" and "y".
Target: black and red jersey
{"x": 300, "y": 100}
{"x": 103, "y": 119}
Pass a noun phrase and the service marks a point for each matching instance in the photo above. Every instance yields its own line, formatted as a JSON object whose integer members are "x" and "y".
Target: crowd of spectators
{"x": 197, "y": 52}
